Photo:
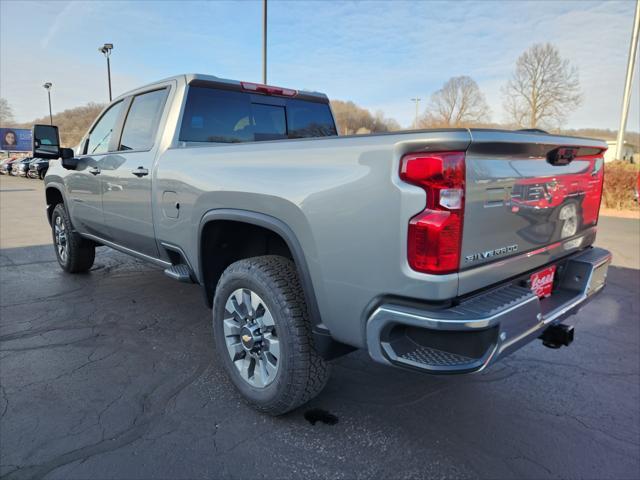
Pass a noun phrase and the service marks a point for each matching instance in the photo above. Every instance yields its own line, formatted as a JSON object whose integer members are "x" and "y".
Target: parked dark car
{"x": 38, "y": 168}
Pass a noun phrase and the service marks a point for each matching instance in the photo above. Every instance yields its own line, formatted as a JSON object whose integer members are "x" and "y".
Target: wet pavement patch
{"x": 316, "y": 415}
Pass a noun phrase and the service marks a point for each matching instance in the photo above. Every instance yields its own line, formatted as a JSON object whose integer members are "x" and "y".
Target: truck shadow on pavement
{"x": 113, "y": 374}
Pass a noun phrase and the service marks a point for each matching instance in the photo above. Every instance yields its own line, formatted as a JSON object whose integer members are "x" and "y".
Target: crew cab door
{"x": 84, "y": 186}
{"x": 126, "y": 174}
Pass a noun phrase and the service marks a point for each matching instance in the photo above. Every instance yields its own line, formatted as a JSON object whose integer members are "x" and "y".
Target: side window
{"x": 101, "y": 134}
{"x": 142, "y": 120}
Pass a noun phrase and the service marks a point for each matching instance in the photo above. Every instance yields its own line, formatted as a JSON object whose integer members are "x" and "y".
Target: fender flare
{"x": 60, "y": 189}
{"x": 282, "y": 229}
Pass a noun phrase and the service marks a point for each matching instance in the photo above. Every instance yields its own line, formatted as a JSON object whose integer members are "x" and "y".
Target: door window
{"x": 142, "y": 121}
{"x": 100, "y": 136}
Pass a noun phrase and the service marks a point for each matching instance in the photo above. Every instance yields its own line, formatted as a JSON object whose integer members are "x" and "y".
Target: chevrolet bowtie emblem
{"x": 246, "y": 338}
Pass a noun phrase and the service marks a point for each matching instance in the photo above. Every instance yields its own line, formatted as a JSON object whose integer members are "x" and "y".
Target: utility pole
{"x": 417, "y": 100}
{"x": 264, "y": 41}
{"x": 633, "y": 48}
{"x": 106, "y": 50}
{"x": 47, "y": 86}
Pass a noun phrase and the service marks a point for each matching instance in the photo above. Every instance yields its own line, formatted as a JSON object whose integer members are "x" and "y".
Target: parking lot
{"x": 112, "y": 374}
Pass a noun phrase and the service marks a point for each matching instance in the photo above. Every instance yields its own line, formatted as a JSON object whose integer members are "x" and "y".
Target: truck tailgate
{"x": 523, "y": 207}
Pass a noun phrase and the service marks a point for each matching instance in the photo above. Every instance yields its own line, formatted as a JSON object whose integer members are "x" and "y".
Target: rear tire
{"x": 243, "y": 336}
{"x": 74, "y": 253}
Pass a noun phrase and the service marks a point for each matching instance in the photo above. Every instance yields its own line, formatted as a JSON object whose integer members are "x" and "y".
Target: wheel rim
{"x": 569, "y": 216}
{"x": 60, "y": 238}
{"x": 251, "y": 338}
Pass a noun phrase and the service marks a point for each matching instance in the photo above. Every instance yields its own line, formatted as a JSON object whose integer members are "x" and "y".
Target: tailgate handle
{"x": 561, "y": 155}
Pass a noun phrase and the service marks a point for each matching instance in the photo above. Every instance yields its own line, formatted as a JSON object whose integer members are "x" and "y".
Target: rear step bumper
{"x": 483, "y": 328}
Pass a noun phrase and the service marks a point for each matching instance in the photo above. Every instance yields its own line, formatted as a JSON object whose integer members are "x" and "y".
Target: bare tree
{"x": 543, "y": 90}
{"x": 349, "y": 116}
{"x": 459, "y": 103}
{"x": 352, "y": 119}
{"x": 384, "y": 124}
{"x": 6, "y": 112}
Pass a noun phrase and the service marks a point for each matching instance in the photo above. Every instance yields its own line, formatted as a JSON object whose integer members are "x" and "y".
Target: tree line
{"x": 542, "y": 91}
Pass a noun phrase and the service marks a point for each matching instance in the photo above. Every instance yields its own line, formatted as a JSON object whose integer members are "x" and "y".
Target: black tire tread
{"x": 310, "y": 371}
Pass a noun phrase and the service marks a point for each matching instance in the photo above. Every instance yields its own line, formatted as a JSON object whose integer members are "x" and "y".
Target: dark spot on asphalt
{"x": 317, "y": 415}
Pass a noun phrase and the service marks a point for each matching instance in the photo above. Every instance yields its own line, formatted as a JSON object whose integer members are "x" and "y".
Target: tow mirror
{"x": 68, "y": 160}
{"x": 46, "y": 141}
{"x": 46, "y": 144}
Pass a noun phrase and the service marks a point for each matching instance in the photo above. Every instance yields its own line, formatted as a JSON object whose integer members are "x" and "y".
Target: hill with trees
{"x": 72, "y": 123}
{"x": 352, "y": 119}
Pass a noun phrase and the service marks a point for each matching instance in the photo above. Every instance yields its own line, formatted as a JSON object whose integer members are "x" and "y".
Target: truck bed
{"x": 349, "y": 209}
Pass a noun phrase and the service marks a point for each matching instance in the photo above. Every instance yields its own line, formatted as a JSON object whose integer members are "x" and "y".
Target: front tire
{"x": 74, "y": 253}
{"x": 263, "y": 335}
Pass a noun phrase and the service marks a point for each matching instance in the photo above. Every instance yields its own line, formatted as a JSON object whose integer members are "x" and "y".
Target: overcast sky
{"x": 378, "y": 54}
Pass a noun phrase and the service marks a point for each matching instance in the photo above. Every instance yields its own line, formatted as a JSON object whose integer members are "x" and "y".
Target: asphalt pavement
{"x": 112, "y": 374}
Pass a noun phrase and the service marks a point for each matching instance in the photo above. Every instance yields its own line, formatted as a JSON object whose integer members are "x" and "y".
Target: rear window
{"x": 225, "y": 116}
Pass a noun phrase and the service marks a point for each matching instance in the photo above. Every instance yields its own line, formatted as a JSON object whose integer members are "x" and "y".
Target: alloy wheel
{"x": 60, "y": 238}
{"x": 251, "y": 338}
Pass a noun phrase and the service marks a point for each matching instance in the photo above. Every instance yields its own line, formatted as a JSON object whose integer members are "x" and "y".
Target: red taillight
{"x": 435, "y": 234}
{"x": 269, "y": 90}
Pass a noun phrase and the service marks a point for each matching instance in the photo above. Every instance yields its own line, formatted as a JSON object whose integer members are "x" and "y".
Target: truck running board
{"x": 180, "y": 272}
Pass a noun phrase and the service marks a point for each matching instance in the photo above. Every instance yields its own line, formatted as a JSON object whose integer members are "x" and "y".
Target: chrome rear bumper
{"x": 483, "y": 328}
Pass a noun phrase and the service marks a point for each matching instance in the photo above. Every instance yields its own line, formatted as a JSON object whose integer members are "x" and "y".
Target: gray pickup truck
{"x": 440, "y": 251}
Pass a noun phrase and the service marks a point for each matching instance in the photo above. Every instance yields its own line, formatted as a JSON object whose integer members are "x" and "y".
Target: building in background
{"x": 629, "y": 152}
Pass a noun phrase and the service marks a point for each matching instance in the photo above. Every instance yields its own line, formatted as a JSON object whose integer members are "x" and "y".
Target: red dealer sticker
{"x": 542, "y": 281}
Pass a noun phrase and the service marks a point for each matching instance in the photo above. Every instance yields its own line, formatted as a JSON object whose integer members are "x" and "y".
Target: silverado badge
{"x": 491, "y": 253}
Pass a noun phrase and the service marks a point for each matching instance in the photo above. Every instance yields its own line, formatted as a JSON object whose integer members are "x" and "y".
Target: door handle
{"x": 94, "y": 171}
{"x": 140, "y": 172}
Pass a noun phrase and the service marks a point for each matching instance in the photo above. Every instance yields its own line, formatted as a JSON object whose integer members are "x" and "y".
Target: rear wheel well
{"x": 227, "y": 241}
{"x": 54, "y": 197}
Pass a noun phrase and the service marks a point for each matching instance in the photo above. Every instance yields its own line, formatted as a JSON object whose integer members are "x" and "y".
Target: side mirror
{"x": 46, "y": 141}
{"x": 68, "y": 160}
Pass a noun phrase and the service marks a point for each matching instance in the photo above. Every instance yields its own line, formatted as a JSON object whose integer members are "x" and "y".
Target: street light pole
{"x": 417, "y": 100}
{"x": 47, "y": 86}
{"x": 627, "y": 86}
{"x": 109, "y": 76}
{"x": 106, "y": 51}
{"x": 264, "y": 41}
